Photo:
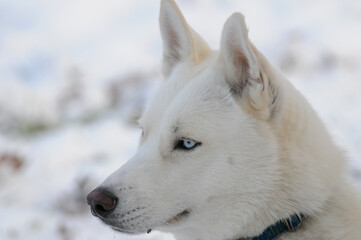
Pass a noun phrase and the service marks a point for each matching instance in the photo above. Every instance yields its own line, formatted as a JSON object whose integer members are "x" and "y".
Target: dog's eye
{"x": 189, "y": 144}
{"x": 186, "y": 144}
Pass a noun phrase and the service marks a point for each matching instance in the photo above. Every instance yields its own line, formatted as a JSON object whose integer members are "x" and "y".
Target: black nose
{"x": 102, "y": 202}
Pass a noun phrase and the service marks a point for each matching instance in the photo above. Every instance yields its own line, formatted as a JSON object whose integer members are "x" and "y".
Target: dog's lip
{"x": 179, "y": 217}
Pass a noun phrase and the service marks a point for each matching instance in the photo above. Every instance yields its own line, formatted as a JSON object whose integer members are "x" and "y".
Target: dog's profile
{"x": 229, "y": 150}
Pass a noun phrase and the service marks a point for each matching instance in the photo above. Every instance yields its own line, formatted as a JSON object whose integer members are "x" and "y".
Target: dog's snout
{"x": 102, "y": 202}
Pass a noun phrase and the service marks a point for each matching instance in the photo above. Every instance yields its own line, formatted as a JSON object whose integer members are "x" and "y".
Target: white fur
{"x": 265, "y": 154}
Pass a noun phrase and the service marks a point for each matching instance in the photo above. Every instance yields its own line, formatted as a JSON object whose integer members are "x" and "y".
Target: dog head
{"x": 211, "y": 160}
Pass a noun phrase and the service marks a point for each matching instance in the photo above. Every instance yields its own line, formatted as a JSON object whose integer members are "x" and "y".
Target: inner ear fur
{"x": 247, "y": 78}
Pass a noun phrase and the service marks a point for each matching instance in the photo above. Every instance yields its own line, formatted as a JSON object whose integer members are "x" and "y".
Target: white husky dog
{"x": 229, "y": 150}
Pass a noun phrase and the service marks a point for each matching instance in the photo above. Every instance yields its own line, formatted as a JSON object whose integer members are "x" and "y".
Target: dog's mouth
{"x": 179, "y": 217}
{"x": 176, "y": 219}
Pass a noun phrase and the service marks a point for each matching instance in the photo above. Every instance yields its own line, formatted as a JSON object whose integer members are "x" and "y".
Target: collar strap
{"x": 290, "y": 224}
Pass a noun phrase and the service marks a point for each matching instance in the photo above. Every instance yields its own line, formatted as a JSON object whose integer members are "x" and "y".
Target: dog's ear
{"x": 180, "y": 41}
{"x": 240, "y": 60}
{"x": 242, "y": 67}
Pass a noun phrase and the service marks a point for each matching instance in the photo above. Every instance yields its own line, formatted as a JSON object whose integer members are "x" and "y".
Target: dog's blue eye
{"x": 186, "y": 144}
{"x": 189, "y": 144}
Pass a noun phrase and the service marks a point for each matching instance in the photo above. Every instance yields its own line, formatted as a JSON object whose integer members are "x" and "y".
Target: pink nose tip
{"x": 101, "y": 202}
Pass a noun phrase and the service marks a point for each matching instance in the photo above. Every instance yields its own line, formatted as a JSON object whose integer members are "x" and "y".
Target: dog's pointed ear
{"x": 236, "y": 50}
{"x": 242, "y": 65}
{"x": 180, "y": 41}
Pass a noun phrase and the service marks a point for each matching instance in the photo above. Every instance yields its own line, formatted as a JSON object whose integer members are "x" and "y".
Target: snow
{"x": 75, "y": 74}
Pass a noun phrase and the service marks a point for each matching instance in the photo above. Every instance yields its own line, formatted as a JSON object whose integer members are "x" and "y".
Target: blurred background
{"x": 75, "y": 74}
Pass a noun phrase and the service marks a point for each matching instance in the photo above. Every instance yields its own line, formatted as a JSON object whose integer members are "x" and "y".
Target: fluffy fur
{"x": 264, "y": 153}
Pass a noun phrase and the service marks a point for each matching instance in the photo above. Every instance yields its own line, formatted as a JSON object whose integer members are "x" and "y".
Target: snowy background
{"x": 74, "y": 76}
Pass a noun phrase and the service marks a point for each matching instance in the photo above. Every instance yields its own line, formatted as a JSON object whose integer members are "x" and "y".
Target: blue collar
{"x": 290, "y": 224}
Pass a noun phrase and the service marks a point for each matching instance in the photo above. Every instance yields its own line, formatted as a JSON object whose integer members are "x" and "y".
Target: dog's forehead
{"x": 186, "y": 93}
{"x": 162, "y": 98}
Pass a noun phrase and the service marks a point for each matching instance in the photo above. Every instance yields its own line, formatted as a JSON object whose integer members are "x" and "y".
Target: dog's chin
{"x": 177, "y": 219}
{"x": 116, "y": 226}
{"x": 119, "y": 227}
{"x": 127, "y": 231}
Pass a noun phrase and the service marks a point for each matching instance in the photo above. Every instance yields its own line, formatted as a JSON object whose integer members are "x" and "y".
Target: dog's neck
{"x": 284, "y": 225}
